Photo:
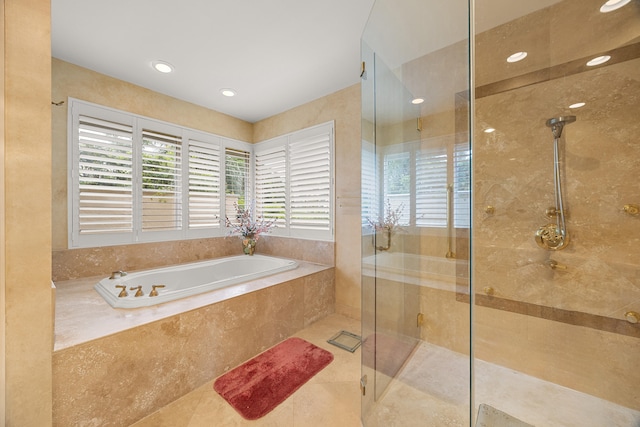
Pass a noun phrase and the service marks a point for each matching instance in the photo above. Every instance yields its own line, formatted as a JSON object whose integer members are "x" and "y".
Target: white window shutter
{"x": 310, "y": 181}
{"x": 462, "y": 185}
{"x": 161, "y": 181}
{"x": 105, "y": 177}
{"x": 270, "y": 184}
{"x": 431, "y": 187}
{"x": 370, "y": 187}
{"x": 204, "y": 185}
{"x": 237, "y": 185}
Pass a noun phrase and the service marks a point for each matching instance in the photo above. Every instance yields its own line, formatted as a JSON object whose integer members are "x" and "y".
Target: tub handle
{"x": 154, "y": 290}
{"x": 138, "y": 290}
{"x": 123, "y": 293}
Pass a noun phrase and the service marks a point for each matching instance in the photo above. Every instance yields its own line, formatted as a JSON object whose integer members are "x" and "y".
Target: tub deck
{"x": 82, "y": 315}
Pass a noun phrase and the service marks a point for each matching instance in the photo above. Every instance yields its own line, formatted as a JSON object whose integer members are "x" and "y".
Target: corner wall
{"x": 26, "y": 229}
{"x": 343, "y": 107}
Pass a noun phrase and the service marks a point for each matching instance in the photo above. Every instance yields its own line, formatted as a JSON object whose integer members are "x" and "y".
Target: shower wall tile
{"x": 596, "y": 277}
{"x": 568, "y": 355}
{"x": 446, "y": 320}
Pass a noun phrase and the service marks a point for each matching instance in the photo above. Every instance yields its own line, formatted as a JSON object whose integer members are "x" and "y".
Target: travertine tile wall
{"x": 73, "y": 81}
{"x": 25, "y": 250}
{"x": 513, "y": 173}
{"x": 343, "y": 107}
{"x": 87, "y": 262}
{"x": 318, "y": 299}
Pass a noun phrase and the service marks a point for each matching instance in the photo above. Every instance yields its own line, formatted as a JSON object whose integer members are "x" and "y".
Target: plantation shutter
{"x": 161, "y": 181}
{"x": 310, "y": 190}
{"x": 431, "y": 187}
{"x": 237, "y": 194}
{"x": 369, "y": 184}
{"x": 397, "y": 186}
{"x": 204, "y": 185}
{"x": 105, "y": 177}
{"x": 462, "y": 186}
{"x": 270, "y": 184}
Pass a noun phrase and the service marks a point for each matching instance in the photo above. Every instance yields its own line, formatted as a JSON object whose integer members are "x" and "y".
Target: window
{"x": 135, "y": 179}
{"x": 294, "y": 182}
{"x": 416, "y": 177}
{"x": 237, "y": 166}
{"x": 271, "y": 182}
{"x": 161, "y": 181}
{"x": 370, "y": 187}
{"x": 204, "y": 185}
{"x": 397, "y": 185}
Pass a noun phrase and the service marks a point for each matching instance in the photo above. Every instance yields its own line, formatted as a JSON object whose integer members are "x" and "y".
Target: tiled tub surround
{"x": 87, "y": 262}
{"x": 112, "y": 367}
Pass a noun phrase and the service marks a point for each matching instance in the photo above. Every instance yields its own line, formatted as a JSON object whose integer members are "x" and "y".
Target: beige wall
{"x": 72, "y": 81}
{"x": 343, "y": 107}
{"x": 564, "y": 322}
{"x": 26, "y": 229}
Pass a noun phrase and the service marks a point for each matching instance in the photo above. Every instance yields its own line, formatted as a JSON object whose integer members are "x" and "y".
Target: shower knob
{"x": 633, "y": 210}
{"x": 632, "y": 317}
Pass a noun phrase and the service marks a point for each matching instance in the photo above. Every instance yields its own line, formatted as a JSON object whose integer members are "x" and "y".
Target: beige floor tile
{"x": 330, "y": 398}
{"x": 432, "y": 389}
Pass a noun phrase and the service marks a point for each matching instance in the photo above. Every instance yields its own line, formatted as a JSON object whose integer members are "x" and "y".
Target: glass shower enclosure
{"x": 501, "y": 213}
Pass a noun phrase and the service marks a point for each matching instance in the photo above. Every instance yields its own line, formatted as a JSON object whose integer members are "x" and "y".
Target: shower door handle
{"x": 363, "y": 384}
{"x": 450, "y": 254}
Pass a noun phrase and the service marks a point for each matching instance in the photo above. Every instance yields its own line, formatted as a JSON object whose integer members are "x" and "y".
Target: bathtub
{"x": 186, "y": 280}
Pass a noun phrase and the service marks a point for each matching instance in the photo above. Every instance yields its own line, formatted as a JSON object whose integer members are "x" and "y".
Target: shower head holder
{"x": 557, "y": 124}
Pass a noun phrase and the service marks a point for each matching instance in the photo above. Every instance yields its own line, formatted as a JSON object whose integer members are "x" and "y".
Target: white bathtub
{"x": 189, "y": 279}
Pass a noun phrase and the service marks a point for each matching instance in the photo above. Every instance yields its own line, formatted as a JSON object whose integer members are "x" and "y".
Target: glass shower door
{"x": 416, "y": 216}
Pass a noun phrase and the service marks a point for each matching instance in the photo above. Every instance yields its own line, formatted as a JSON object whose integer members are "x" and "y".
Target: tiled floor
{"x": 432, "y": 389}
{"x": 329, "y": 399}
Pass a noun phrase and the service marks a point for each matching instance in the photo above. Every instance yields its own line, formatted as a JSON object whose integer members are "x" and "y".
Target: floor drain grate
{"x": 346, "y": 341}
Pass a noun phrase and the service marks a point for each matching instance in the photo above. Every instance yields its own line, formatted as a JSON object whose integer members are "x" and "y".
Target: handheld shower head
{"x": 557, "y": 124}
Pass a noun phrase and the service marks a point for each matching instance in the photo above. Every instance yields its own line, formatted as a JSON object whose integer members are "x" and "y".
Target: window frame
{"x": 286, "y": 141}
{"x": 77, "y": 108}
{"x": 452, "y": 151}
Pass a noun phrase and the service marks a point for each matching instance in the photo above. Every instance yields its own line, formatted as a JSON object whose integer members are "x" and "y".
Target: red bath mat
{"x": 256, "y": 387}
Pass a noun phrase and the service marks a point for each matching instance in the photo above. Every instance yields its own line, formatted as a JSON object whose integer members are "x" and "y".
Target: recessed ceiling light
{"x": 518, "y": 56}
{"x": 489, "y": 130}
{"x": 162, "y": 66}
{"x": 577, "y": 105}
{"x": 599, "y": 60}
{"x": 417, "y": 101}
{"x": 228, "y": 92}
{"x": 612, "y": 5}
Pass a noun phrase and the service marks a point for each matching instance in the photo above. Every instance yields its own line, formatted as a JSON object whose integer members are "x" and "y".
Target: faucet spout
{"x": 117, "y": 274}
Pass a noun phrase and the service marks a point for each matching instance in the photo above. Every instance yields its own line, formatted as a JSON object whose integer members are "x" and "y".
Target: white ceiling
{"x": 277, "y": 54}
